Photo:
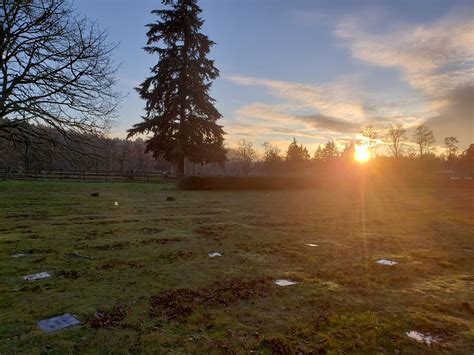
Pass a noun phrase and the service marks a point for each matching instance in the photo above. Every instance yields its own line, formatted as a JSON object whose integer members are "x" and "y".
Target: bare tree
{"x": 55, "y": 71}
{"x": 451, "y": 146}
{"x": 245, "y": 155}
{"x": 396, "y": 136}
{"x": 370, "y": 135}
{"x": 425, "y": 139}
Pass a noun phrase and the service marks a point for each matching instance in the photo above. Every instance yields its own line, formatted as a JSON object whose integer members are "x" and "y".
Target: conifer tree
{"x": 296, "y": 156}
{"x": 180, "y": 114}
{"x": 297, "y": 153}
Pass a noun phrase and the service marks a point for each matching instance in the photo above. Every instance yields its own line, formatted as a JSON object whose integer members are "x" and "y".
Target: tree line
{"x": 89, "y": 152}
{"x": 57, "y": 100}
{"x": 77, "y": 152}
{"x": 398, "y": 149}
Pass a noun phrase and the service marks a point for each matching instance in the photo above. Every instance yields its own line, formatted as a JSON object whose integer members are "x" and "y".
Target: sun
{"x": 361, "y": 153}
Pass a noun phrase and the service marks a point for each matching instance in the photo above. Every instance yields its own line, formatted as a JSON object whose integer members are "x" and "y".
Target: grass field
{"x": 151, "y": 286}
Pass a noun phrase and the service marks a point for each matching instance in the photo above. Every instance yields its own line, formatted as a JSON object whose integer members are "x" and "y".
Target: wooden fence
{"x": 84, "y": 176}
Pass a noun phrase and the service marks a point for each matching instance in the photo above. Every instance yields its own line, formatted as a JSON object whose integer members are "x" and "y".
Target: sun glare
{"x": 361, "y": 153}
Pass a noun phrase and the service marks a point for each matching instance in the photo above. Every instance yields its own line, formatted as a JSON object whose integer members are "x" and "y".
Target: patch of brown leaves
{"x": 72, "y": 274}
{"x": 108, "y": 318}
{"x": 161, "y": 241}
{"x": 181, "y": 303}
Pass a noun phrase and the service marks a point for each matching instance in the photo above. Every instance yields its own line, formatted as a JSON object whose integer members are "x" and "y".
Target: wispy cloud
{"x": 434, "y": 58}
{"x": 337, "y": 99}
{"x": 335, "y": 110}
{"x": 437, "y": 59}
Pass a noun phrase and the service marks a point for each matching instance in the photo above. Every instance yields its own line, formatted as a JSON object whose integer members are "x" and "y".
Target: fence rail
{"x": 84, "y": 176}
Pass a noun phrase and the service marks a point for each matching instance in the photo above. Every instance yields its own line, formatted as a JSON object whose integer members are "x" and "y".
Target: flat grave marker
{"x": 57, "y": 323}
{"x": 285, "y": 282}
{"x": 420, "y": 337}
{"x": 386, "y": 262}
{"x": 35, "y": 277}
{"x": 19, "y": 255}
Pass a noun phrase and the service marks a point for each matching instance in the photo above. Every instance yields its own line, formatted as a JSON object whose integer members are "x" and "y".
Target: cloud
{"x": 436, "y": 59}
{"x": 337, "y": 99}
{"x": 433, "y": 58}
{"x": 456, "y": 116}
{"x": 330, "y": 123}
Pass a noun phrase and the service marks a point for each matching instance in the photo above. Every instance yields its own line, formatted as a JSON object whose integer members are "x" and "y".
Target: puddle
{"x": 58, "y": 323}
{"x": 311, "y": 245}
{"x": 213, "y": 255}
{"x": 422, "y": 338}
{"x": 284, "y": 282}
{"x": 34, "y": 277}
{"x": 386, "y": 262}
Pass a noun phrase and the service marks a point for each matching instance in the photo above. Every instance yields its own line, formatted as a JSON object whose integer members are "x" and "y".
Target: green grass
{"x": 158, "y": 291}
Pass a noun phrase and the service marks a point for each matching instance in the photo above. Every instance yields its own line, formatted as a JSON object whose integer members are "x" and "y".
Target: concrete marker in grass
{"x": 19, "y": 255}
{"x": 285, "y": 282}
{"x": 57, "y": 323}
{"x": 422, "y": 338}
{"x": 386, "y": 262}
{"x": 36, "y": 277}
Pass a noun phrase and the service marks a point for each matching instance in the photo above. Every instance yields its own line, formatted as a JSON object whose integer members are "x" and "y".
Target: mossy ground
{"x": 151, "y": 286}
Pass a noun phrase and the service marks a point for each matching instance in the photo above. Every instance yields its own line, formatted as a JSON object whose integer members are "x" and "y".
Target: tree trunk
{"x": 180, "y": 167}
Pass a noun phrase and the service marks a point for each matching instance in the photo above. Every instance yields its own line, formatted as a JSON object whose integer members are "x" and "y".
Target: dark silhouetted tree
{"x": 179, "y": 111}
{"x": 245, "y": 155}
{"x": 451, "y": 146}
{"x": 330, "y": 151}
{"x": 319, "y": 154}
{"x": 425, "y": 139}
{"x": 396, "y": 137}
{"x": 55, "y": 72}
{"x": 296, "y": 156}
{"x": 348, "y": 152}
{"x": 467, "y": 160}
{"x": 272, "y": 159}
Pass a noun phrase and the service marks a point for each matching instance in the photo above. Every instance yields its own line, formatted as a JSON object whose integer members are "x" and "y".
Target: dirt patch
{"x": 175, "y": 256}
{"x": 42, "y": 251}
{"x": 216, "y": 231}
{"x": 71, "y": 274}
{"x": 115, "y": 263}
{"x": 108, "y": 318}
{"x": 162, "y": 241}
{"x": 151, "y": 230}
{"x": 105, "y": 266}
{"x": 176, "y": 304}
{"x": 181, "y": 303}
{"x": 277, "y": 346}
{"x": 113, "y": 246}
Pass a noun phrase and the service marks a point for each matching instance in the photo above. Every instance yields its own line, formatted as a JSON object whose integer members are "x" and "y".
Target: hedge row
{"x": 308, "y": 182}
{"x": 246, "y": 183}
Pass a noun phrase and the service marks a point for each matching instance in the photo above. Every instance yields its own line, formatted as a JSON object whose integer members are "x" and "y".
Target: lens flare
{"x": 361, "y": 153}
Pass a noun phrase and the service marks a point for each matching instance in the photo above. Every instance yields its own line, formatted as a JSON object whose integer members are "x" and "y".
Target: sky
{"x": 316, "y": 70}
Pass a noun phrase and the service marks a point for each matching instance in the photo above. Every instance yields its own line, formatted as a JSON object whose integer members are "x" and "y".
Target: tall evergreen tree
{"x": 179, "y": 111}
{"x": 297, "y": 153}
